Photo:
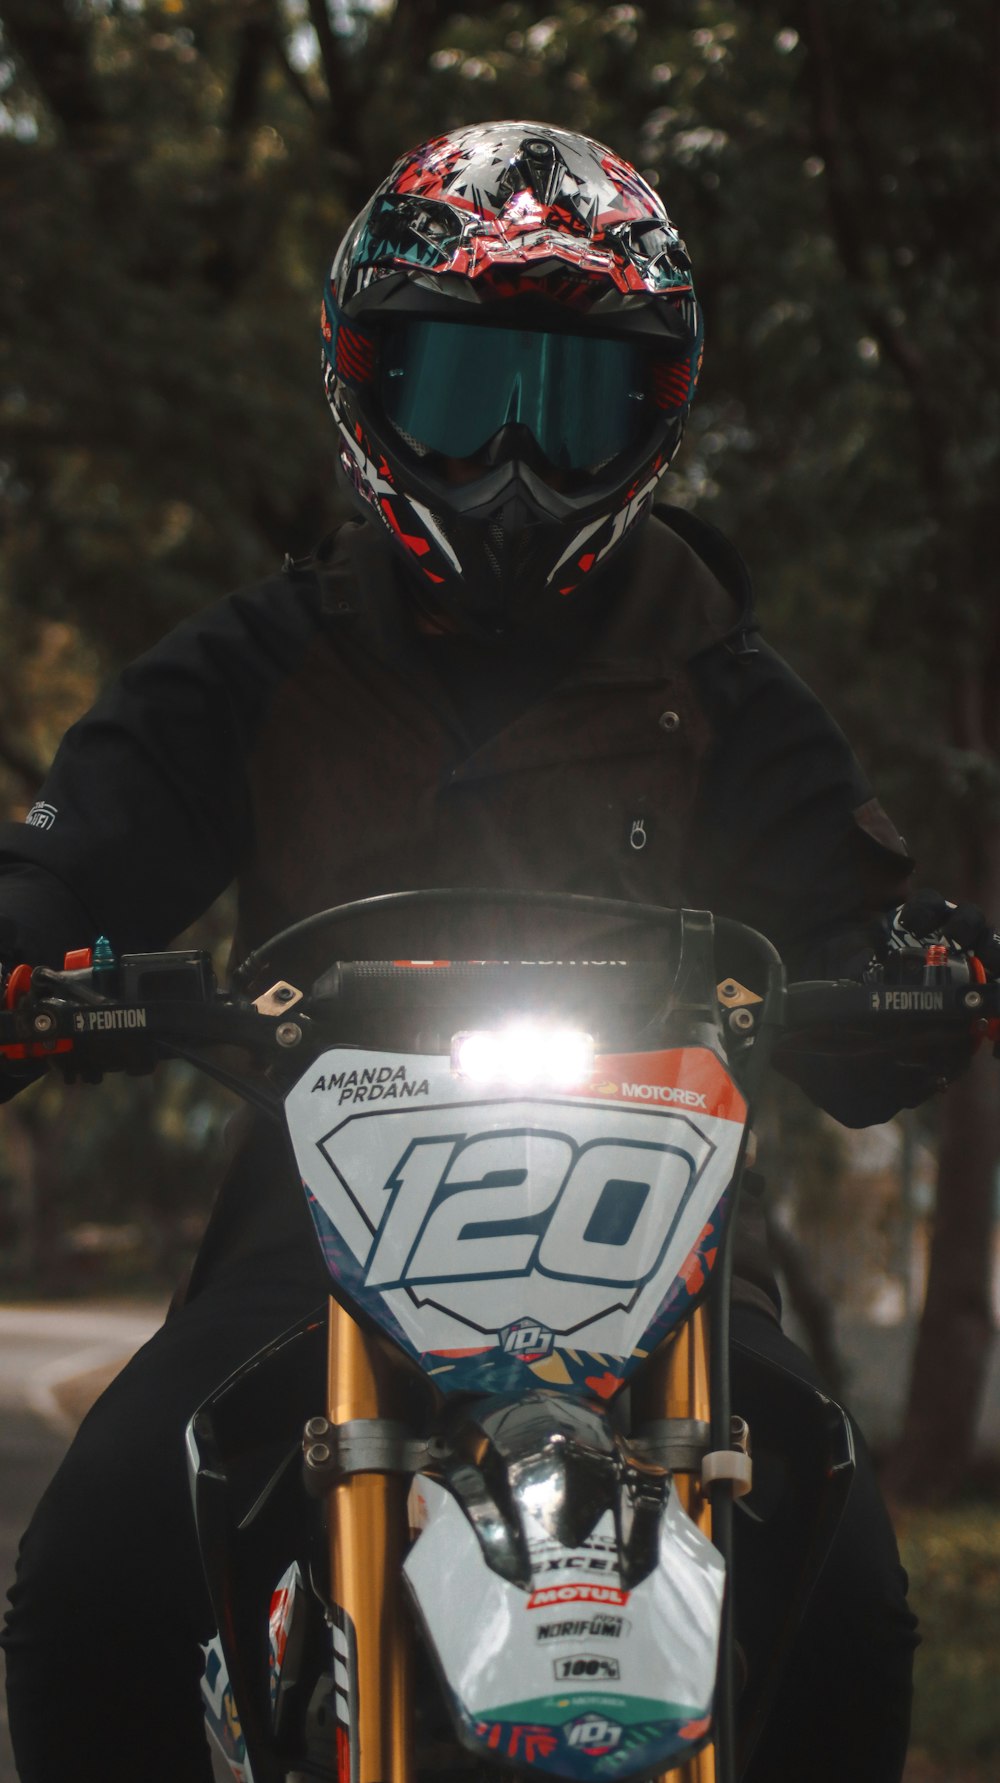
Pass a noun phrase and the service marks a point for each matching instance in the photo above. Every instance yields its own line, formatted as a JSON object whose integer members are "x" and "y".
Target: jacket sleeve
{"x": 790, "y": 839}
{"x": 146, "y": 814}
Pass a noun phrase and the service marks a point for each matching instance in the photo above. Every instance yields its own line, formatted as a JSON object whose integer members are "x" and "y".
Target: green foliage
{"x": 164, "y": 328}
{"x": 174, "y": 176}
{"x": 108, "y": 1189}
{"x": 953, "y": 1559}
{"x": 165, "y": 433}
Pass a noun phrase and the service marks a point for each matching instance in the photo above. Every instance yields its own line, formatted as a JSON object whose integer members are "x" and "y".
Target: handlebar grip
{"x": 840, "y": 1003}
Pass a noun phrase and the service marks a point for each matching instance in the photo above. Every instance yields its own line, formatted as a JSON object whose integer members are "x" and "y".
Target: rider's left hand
{"x": 927, "y": 918}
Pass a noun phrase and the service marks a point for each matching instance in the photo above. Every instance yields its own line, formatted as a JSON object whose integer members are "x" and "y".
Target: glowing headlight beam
{"x": 525, "y": 1054}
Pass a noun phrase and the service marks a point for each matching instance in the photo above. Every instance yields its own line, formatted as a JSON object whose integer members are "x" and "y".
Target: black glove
{"x": 14, "y": 1075}
{"x": 928, "y": 918}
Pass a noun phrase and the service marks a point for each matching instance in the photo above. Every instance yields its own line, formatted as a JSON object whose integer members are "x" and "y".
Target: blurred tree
{"x": 175, "y": 174}
{"x": 907, "y": 180}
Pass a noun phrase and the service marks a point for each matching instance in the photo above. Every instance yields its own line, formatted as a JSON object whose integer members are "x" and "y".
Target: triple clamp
{"x": 331, "y": 1452}
{"x": 680, "y": 1445}
{"x": 675, "y": 1444}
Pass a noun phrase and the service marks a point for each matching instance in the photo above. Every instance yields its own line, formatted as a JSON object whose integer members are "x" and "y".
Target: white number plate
{"x": 463, "y": 1215}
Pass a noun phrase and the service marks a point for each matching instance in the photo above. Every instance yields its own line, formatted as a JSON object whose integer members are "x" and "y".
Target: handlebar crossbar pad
{"x": 529, "y": 984}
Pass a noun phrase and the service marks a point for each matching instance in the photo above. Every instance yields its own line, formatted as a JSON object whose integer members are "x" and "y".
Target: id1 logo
{"x": 526, "y": 1339}
{"x": 593, "y": 1735}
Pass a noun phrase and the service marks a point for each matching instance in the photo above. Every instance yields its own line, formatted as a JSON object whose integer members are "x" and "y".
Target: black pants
{"x": 109, "y": 1605}
{"x": 845, "y": 1694}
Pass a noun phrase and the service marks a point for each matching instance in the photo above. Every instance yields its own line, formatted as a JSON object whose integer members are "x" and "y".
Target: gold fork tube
{"x": 676, "y": 1385}
{"x": 367, "y": 1543}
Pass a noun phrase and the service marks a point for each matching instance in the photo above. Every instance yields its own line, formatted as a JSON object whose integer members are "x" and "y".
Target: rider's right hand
{"x": 13, "y": 1076}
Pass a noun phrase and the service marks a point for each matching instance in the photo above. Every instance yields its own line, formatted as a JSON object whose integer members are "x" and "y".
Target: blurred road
{"x": 40, "y": 1348}
{"x": 29, "y": 1452}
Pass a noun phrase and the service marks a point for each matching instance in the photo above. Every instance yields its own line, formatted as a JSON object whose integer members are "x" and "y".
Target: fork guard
{"x": 571, "y": 1605}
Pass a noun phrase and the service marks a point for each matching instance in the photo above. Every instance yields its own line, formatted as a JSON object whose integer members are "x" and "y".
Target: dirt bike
{"x": 477, "y": 1510}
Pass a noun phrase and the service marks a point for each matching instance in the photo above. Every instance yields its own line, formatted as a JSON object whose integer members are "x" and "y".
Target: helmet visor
{"x": 449, "y": 387}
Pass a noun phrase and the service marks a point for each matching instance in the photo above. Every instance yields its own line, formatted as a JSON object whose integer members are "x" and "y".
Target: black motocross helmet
{"x": 511, "y": 346}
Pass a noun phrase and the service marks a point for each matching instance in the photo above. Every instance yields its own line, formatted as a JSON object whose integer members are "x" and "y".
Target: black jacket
{"x": 304, "y": 738}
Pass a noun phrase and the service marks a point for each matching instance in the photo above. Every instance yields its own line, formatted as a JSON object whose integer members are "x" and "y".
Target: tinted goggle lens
{"x": 450, "y": 386}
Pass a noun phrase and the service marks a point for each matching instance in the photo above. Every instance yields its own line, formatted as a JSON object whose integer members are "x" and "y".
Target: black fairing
{"x": 253, "y": 1516}
{"x": 798, "y": 1499}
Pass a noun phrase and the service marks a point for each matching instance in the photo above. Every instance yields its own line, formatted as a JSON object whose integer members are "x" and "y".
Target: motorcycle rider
{"x": 511, "y": 672}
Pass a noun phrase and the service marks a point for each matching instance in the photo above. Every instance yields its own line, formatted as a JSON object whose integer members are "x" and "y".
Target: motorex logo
{"x": 669, "y": 1094}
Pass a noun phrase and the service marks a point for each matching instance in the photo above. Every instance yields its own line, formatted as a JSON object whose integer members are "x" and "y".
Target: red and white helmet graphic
{"x": 511, "y": 346}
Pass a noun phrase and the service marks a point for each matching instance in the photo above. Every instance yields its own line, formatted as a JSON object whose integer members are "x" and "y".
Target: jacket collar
{"x": 686, "y": 591}
{"x": 672, "y": 607}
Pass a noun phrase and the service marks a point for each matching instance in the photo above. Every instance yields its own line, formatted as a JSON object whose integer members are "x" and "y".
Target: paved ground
{"x": 42, "y": 1346}
{"x": 43, "y": 1351}
{"x": 29, "y": 1452}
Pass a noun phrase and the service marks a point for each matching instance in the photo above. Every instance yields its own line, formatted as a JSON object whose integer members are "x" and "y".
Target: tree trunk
{"x": 956, "y": 1330}
{"x": 813, "y": 1308}
{"x": 953, "y": 1342}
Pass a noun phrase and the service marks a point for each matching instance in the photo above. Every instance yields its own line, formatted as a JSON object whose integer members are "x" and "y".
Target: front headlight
{"x": 526, "y": 1055}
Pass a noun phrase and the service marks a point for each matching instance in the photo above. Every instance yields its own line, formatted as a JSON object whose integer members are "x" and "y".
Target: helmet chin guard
{"x": 511, "y": 346}
{"x": 506, "y": 536}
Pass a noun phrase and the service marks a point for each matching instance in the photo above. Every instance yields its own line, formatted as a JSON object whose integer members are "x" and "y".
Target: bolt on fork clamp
{"x": 361, "y": 1445}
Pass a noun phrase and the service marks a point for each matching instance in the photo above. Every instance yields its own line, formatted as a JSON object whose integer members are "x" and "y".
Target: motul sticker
{"x": 550, "y": 1594}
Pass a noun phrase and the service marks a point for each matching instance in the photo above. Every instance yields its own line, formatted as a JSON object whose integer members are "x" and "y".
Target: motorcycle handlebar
{"x": 881, "y": 1003}
{"x": 169, "y": 1001}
